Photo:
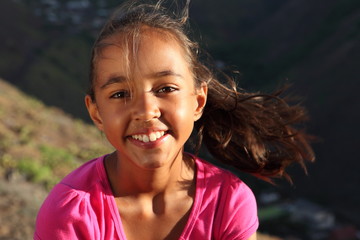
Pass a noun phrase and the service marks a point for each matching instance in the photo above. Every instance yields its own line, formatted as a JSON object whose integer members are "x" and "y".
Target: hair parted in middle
{"x": 253, "y": 132}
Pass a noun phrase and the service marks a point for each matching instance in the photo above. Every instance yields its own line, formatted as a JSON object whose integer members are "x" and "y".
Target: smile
{"x": 152, "y": 137}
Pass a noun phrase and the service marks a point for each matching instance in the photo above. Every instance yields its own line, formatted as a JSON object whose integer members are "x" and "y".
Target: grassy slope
{"x": 38, "y": 146}
{"x": 40, "y": 142}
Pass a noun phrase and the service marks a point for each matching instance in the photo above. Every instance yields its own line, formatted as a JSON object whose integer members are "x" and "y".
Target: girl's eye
{"x": 120, "y": 94}
{"x": 167, "y": 89}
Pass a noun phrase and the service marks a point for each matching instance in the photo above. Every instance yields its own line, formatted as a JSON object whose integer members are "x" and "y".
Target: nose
{"x": 146, "y": 107}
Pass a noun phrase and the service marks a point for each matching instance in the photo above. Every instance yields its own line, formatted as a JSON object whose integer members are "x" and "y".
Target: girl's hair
{"x": 252, "y": 132}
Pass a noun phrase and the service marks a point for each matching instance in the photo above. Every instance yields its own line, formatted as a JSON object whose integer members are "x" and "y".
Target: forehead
{"x": 131, "y": 58}
{"x": 144, "y": 52}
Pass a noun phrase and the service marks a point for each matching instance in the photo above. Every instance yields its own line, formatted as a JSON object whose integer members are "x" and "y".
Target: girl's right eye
{"x": 120, "y": 94}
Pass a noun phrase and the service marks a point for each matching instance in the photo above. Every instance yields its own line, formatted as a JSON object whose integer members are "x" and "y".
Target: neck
{"x": 134, "y": 181}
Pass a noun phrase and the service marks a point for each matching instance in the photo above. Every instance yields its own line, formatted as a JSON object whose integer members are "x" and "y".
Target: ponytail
{"x": 255, "y": 133}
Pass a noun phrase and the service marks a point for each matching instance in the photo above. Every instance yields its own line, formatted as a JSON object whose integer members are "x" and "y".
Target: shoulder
{"x": 235, "y": 208}
{"x": 67, "y": 209}
{"x": 84, "y": 177}
{"x": 220, "y": 177}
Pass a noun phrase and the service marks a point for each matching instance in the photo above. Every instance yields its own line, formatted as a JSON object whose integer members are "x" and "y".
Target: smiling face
{"x": 147, "y": 108}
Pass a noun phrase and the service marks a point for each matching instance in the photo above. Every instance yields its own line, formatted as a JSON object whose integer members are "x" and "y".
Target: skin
{"x": 152, "y": 181}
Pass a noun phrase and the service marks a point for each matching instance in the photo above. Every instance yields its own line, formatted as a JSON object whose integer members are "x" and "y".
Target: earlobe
{"x": 201, "y": 98}
{"x": 93, "y": 112}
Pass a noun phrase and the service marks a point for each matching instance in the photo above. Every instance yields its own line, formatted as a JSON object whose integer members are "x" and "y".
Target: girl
{"x": 148, "y": 91}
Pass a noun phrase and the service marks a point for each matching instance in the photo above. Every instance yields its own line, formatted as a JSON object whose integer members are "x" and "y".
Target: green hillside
{"x": 39, "y": 145}
{"x": 42, "y": 144}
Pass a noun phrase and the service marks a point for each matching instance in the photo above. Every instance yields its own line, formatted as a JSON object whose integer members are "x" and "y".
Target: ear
{"x": 94, "y": 112}
{"x": 201, "y": 96}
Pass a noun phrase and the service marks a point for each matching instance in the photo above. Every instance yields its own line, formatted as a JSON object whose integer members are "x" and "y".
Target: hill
{"x": 315, "y": 46}
{"x": 40, "y": 142}
{"x": 38, "y": 146}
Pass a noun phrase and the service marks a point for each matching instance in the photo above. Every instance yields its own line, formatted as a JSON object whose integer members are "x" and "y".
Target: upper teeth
{"x": 149, "y": 138}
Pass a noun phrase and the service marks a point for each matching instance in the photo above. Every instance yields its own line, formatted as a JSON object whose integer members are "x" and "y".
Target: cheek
{"x": 113, "y": 119}
{"x": 114, "y": 131}
{"x": 183, "y": 113}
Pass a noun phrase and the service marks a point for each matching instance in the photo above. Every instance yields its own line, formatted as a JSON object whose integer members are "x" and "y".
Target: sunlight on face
{"x": 146, "y": 102}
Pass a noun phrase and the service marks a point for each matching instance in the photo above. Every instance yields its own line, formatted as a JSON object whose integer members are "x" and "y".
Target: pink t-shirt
{"x": 82, "y": 206}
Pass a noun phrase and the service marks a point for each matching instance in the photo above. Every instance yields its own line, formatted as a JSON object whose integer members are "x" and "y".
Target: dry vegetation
{"x": 38, "y": 146}
{"x": 42, "y": 143}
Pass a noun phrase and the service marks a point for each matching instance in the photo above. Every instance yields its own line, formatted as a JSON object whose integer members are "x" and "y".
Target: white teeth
{"x": 145, "y": 138}
{"x": 152, "y": 137}
{"x": 149, "y": 138}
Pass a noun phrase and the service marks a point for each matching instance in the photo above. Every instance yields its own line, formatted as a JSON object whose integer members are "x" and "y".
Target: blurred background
{"x": 314, "y": 45}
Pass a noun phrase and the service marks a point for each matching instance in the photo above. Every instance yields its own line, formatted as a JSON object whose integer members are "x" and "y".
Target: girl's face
{"x": 148, "y": 112}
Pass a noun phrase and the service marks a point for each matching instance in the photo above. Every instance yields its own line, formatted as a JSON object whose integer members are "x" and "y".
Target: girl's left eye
{"x": 120, "y": 94}
{"x": 167, "y": 89}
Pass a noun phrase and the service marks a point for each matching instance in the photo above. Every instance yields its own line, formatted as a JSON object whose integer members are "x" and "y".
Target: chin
{"x": 152, "y": 165}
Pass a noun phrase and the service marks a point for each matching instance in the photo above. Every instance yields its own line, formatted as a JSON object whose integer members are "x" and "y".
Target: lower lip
{"x": 149, "y": 145}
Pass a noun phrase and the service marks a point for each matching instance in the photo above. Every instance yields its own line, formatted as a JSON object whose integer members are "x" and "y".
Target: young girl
{"x": 148, "y": 92}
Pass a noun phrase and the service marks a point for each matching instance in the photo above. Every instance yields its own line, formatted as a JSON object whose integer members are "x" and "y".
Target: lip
{"x": 150, "y": 144}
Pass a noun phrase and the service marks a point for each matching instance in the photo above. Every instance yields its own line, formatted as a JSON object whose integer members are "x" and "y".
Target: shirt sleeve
{"x": 64, "y": 215}
{"x": 239, "y": 212}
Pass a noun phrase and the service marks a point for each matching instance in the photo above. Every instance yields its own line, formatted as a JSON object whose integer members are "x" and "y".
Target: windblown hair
{"x": 255, "y": 133}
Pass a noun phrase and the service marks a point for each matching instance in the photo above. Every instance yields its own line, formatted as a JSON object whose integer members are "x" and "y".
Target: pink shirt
{"x": 82, "y": 206}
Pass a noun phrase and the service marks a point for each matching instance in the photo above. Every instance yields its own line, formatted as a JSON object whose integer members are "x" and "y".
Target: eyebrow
{"x": 121, "y": 79}
{"x": 167, "y": 73}
{"x": 112, "y": 80}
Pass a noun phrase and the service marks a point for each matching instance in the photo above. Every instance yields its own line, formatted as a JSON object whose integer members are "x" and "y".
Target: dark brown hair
{"x": 252, "y": 132}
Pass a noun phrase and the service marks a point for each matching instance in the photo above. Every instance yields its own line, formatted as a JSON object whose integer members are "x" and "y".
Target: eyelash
{"x": 120, "y": 94}
{"x": 126, "y": 94}
{"x": 167, "y": 89}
